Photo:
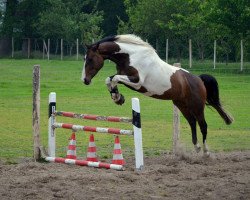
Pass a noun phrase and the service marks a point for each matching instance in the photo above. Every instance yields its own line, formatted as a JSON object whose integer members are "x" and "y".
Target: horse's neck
{"x": 139, "y": 57}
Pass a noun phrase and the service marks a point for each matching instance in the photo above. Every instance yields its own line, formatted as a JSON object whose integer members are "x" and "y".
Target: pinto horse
{"x": 141, "y": 69}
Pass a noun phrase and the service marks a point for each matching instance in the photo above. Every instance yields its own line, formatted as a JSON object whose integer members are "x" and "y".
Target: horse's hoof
{"x": 121, "y": 100}
{"x": 197, "y": 148}
{"x": 206, "y": 154}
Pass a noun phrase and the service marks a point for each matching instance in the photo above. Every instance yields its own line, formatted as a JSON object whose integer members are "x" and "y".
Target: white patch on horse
{"x": 83, "y": 69}
{"x": 154, "y": 73}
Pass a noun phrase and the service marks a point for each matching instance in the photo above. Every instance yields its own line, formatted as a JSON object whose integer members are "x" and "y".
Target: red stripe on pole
{"x": 67, "y": 114}
{"x": 104, "y": 165}
{"x": 90, "y": 117}
{"x": 60, "y": 160}
{"x": 114, "y": 130}
{"x": 114, "y": 119}
{"x": 82, "y": 162}
{"x": 68, "y": 126}
{"x": 89, "y": 128}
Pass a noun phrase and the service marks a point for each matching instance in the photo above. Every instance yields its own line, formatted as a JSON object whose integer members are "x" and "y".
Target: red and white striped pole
{"x": 75, "y": 127}
{"x": 85, "y": 163}
{"x": 51, "y": 130}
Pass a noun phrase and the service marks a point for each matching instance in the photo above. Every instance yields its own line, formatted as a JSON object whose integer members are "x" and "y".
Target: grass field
{"x": 64, "y": 79}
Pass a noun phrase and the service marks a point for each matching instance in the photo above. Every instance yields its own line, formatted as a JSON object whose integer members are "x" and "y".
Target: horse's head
{"x": 93, "y": 63}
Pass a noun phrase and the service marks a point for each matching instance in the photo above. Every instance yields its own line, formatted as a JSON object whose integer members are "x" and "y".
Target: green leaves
{"x": 63, "y": 19}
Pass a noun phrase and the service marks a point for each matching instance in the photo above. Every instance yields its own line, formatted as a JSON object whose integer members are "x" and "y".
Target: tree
{"x": 180, "y": 20}
{"x": 65, "y": 20}
{"x": 8, "y": 24}
{"x": 113, "y": 11}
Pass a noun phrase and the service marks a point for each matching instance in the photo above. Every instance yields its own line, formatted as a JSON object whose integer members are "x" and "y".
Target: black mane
{"x": 106, "y": 39}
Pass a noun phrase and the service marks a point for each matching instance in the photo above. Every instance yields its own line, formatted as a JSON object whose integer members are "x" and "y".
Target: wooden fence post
{"x": 61, "y": 49}
{"x": 48, "y": 50}
{"x": 36, "y": 112}
{"x": 77, "y": 49}
{"x": 241, "y": 55}
{"x": 166, "y": 50}
{"x": 176, "y": 124}
{"x": 190, "y": 53}
{"x": 12, "y": 47}
{"x": 214, "y": 53}
{"x": 28, "y": 48}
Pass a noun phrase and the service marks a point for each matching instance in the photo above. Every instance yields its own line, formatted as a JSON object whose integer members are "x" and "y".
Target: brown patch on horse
{"x": 108, "y": 48}
{"x": 183, "y": 84}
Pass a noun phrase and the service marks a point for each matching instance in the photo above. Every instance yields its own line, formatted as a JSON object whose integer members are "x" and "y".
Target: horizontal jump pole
{"x": 93, "y": 129}
{"x": 84, "y": 163}
{"x": 93, "y": 117}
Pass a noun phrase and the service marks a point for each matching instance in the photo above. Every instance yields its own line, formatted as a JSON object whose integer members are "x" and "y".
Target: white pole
{"x": 51, "y": 130}
{"x": 77, "y": 49}
{"x": 137, "y": 134}
{"x": 214, "y": 53}
{"x": 167, "y": 51}
{"x": 190, "y": 53}
{"x": 241, "y": 55}
{"x": 176, "y": 123}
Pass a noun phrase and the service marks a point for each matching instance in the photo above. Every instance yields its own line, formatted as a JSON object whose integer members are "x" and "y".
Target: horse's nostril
{"x": 86, "y": 81}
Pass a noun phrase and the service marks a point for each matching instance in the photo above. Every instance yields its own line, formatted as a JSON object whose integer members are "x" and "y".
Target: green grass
{"x": 63, "y": 77}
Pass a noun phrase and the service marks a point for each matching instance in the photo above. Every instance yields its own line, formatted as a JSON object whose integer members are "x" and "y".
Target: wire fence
{"x": 190, "y": 54}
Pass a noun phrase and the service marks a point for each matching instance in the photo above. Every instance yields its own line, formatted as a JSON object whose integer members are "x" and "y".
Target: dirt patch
{"x": 188, "y": 176}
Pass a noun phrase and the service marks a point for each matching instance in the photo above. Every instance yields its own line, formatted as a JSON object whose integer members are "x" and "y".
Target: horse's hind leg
{"x": 192, "y": 122}
{"x": 203, "y": 127}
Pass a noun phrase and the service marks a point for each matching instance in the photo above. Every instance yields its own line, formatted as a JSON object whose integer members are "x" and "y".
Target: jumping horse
{"x": 141, "y": 69}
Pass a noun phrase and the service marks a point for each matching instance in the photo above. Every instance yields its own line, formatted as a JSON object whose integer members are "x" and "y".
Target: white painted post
{"x": 61, "y": 49}
{"x": 167, "y": 51}
{"x": 137, "y": 134}
{"x": 190, "y": 53}
{"x": 51, "y": 130}
{"x": 214, "y": 53}
{"x": 77, "y": 49}
{"x": 176, "y": 123}
{"x": 241, "y": 55}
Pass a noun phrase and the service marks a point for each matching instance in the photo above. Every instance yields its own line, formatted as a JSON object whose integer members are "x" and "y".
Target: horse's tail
{"x": 213, "y": 96}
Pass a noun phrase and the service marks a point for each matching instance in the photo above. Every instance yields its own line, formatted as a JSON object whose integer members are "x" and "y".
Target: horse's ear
{"x": 95, "y": 47}
{"x": 87, "y": 46}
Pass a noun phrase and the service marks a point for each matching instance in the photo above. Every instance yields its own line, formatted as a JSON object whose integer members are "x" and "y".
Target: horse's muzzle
{"x": 86, "y": 81}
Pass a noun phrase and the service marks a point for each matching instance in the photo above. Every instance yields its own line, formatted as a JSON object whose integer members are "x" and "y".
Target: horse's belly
{"x": 158, "y": 83}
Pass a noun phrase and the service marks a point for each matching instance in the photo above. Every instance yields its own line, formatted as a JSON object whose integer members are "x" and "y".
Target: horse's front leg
{"x": 113, "y": 81}
{"x": 113, "y": 89}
